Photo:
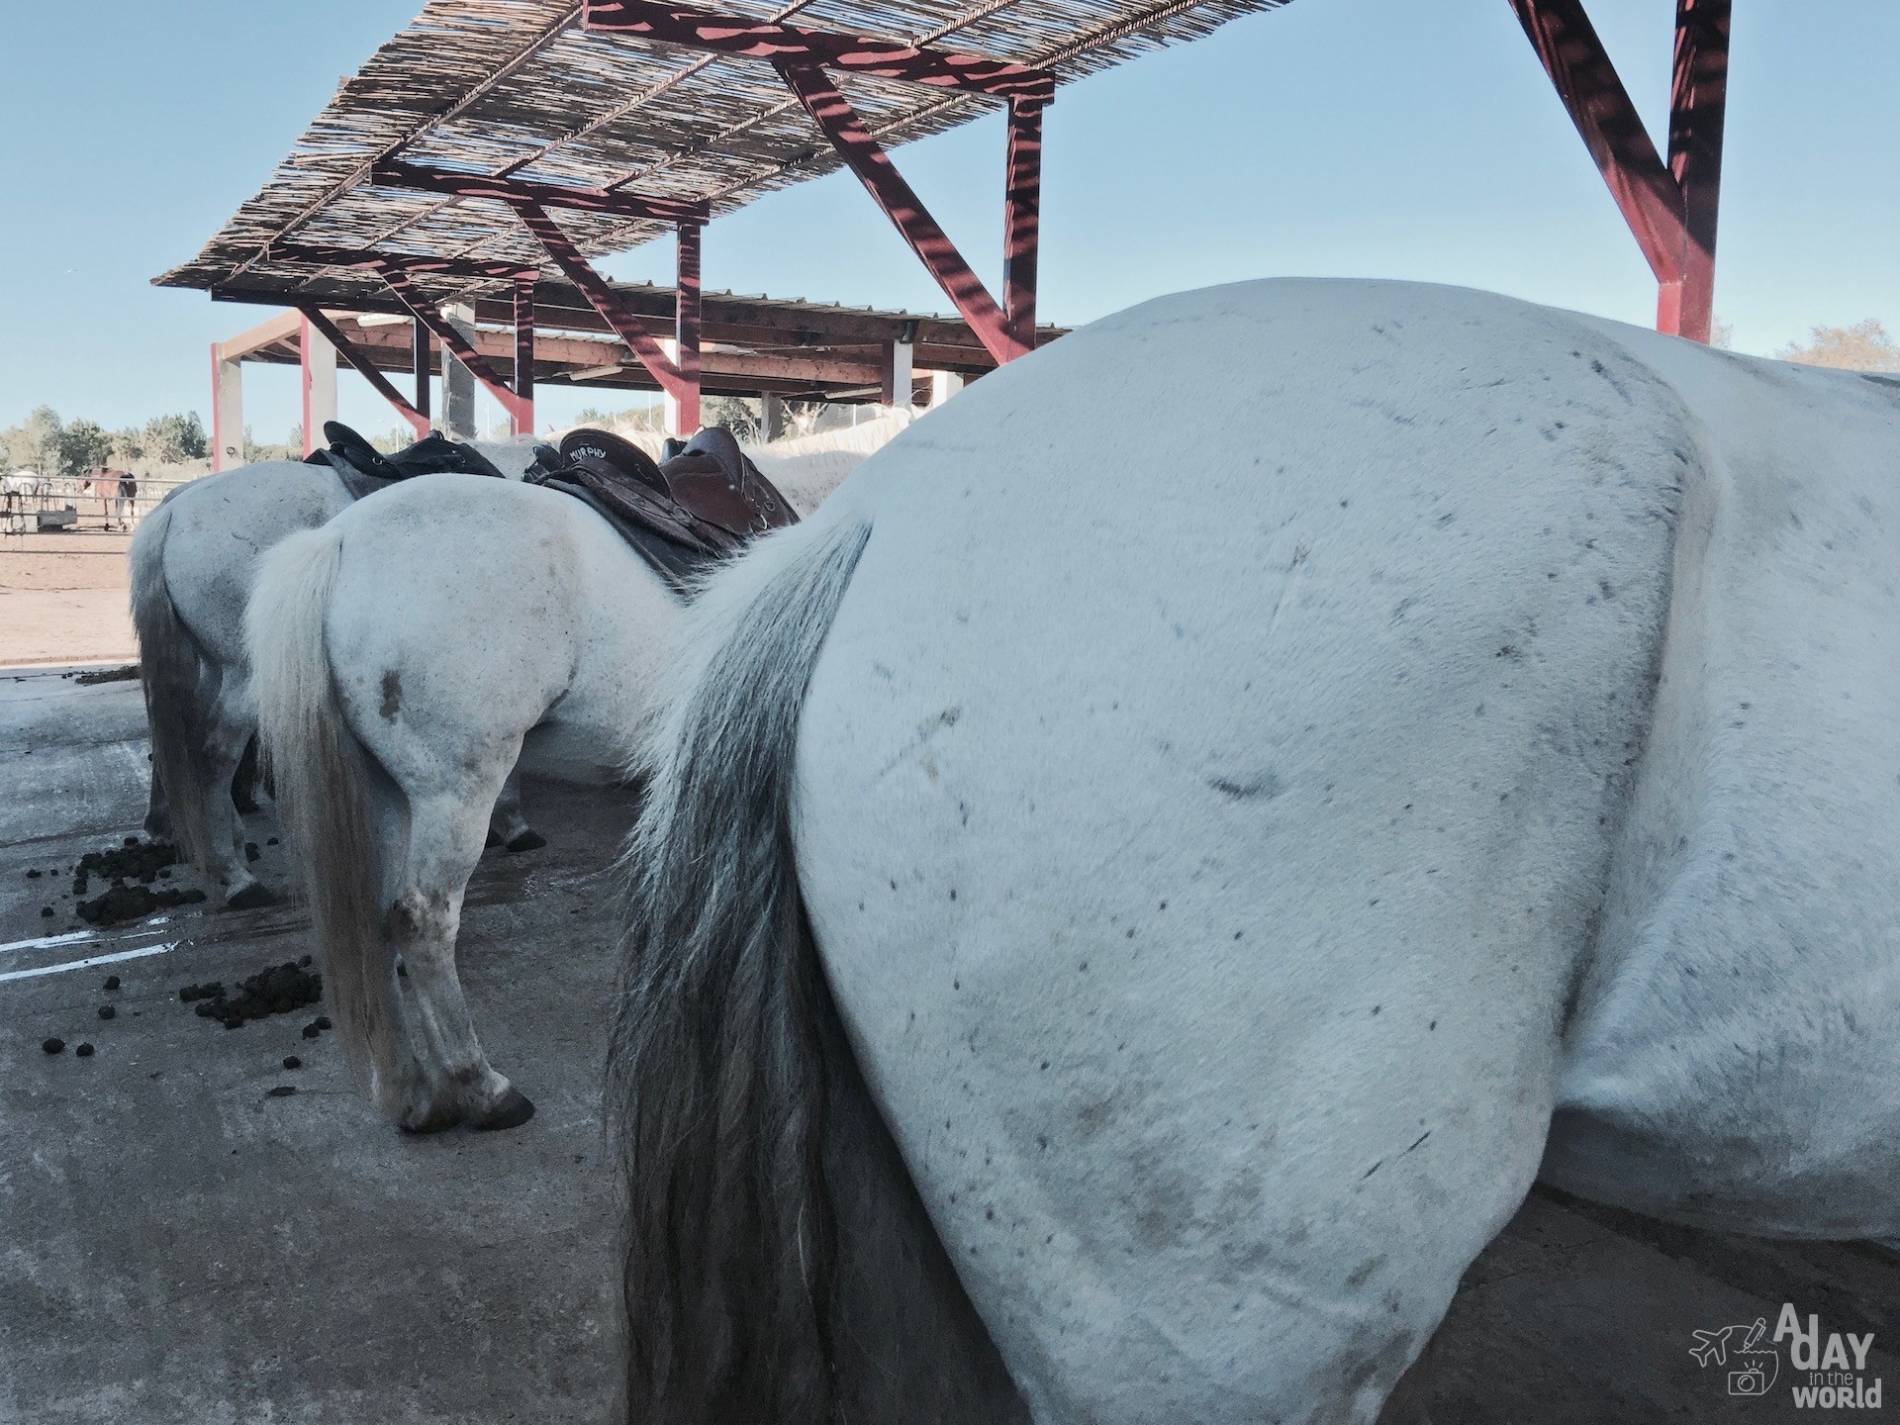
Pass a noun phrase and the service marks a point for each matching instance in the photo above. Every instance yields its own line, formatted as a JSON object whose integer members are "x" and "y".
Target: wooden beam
{"x": 418, "y": 420}
{"x": 754, "y": 38}
{"x": 866, "y": 158}
{"x": 408, "y": 263}
{"x": 423, "y": 178}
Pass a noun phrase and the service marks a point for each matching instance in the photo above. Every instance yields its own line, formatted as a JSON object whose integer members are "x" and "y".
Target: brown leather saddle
{"x": 703, "y": 503}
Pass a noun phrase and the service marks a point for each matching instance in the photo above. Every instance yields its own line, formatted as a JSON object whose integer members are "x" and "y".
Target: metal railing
{"x": 66, "y": 510}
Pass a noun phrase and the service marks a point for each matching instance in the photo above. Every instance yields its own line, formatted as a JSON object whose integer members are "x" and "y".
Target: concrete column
{"x": 771, "y": 415}
{"x": 317, "y": 359}
{"x": 458, "y": 382}
{"x": 897, "y": 374}
{"x": 227, "y": 411}
{"x": 943, "y": 385}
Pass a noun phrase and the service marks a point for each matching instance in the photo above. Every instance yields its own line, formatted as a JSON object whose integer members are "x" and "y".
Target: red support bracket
{"x": 601, "y": 297}
{"x": 792, "y": 44}
{"x": 833, "y": 113}
{"x": 422, "y": 354}
{"x": 423, "y": 178}
{"x": 418, "y": 420}
{"x": 398, "y": 282}
{"x": 1670, "y": 210}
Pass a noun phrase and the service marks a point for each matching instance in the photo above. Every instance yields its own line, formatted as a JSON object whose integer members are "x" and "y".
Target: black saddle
{"x": 704, "y": 502}
{"x": 435, "y": 454}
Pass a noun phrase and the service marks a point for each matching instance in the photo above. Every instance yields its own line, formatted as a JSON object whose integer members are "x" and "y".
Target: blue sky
{"x": 1394, "y": 138}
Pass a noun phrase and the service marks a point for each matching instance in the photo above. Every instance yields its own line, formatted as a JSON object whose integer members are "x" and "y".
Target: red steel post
{"x": 418, "y": 421}
{"x": 686, "y": 324}
{"x": 1022, "y": 220}
{"x": 463, "y": 350}
{"x": 522, "y": 421}
{"x": 1698, "y": 100}
{"x": 423, "y": 354}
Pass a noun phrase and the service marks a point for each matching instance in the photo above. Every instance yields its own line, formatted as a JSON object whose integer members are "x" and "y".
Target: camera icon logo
{"x": 1756, "y": 1367}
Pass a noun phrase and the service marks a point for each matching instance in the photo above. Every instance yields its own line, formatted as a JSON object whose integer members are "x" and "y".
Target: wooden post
{"x": 943, "y": 385}
{"x": 897, "y": 369}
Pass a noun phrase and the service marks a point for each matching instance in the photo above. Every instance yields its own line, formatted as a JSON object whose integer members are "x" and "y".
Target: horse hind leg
{"x": 233, "y": 725}
{"x": 508, "y": 826}
{"x": 459, "y": 1084}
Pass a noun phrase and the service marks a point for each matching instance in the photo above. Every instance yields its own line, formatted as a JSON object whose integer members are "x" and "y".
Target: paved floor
{"x": 179, "y": 1248}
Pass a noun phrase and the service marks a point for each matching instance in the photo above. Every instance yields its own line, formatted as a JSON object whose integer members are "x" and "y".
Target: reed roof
{"x": 516, "y": 88}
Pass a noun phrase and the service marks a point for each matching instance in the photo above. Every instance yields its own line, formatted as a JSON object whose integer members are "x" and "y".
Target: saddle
{"x": 704, "y": 502}
{"x": 364, "y": 469}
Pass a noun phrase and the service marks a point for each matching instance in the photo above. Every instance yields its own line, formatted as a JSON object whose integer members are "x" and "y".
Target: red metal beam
{"x": 1698, "y": 102}
{"x": 1674, "y": 227}
{"x": 840, "y": 122}
{"x": 458, "y": 345}
{"x": 409, "y": 263}
{"x": 793, "y": 44}
{"x": 421, "y": 353}
{"x": 686, "y": 325}
{"x": 423, "y": 178}
{"x": 1022, "y": 220}
{"x": 524, "y": 356}
{"x": 313, "y": 314}
{"x": 601, "y": 297}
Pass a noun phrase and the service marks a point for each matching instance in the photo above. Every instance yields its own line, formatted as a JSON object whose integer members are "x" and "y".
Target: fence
{"x": 60, "y": 505}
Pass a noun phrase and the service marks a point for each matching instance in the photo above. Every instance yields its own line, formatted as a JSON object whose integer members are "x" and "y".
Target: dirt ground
{"x": 63, "y": 599}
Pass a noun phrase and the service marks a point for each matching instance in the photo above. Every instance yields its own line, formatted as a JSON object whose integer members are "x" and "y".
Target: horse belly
{"x": 1735, "y": 1064}
{"x": 1201, "y": 885}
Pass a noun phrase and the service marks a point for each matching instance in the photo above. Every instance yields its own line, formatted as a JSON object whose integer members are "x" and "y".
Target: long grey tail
{"x": 323, "y": 778}
{"x": 172, "y": 671}
{"x": 779, "y": 1266}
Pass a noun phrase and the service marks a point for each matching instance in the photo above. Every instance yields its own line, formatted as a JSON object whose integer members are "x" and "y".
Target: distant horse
{"x": 23, "y": 492}
{"x": 1118, "y": 922}
{"x": 102, "y": 484}
{"x": 539, "y": 641}
{"x": 192, "y": 565}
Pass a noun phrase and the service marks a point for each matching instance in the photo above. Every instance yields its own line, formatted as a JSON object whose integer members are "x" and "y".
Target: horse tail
{"x": 778, "y": 1264}
{"x": 324, "y": 781}
{"x": 172, "y": 671}
{"x": 716, "y": 1090}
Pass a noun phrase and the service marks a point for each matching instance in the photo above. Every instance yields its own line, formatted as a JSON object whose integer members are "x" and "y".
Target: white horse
{"x": 1119, "y": 922}
{"x": 407, "y": 655}
{"x": 192, "y": 564}
{"x": 23, "y": 491}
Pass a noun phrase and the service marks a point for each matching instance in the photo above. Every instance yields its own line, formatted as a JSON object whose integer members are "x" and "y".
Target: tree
{"x": 175, "y": 439}
{"x": 34, "y": 443}
{"x": 1721, "y": 334}
{"x": 296, "y": 439}
{"x": 1864, "y": 346}
{"x": 128, "y": 444}
{"x": 742, "y": 417}
{"x": 83, "y": 446}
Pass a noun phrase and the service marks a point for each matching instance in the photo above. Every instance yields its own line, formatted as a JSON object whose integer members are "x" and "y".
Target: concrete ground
{"x": 179, "y": 1248}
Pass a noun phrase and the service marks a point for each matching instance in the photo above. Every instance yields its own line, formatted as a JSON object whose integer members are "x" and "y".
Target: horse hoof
{"x": 515, "y": 1109}
{"x": 494, "y": 839}
{"x": 252, "y": 896}
{"x": 434, "y": 1122}
{"x": 528, "y": 841}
